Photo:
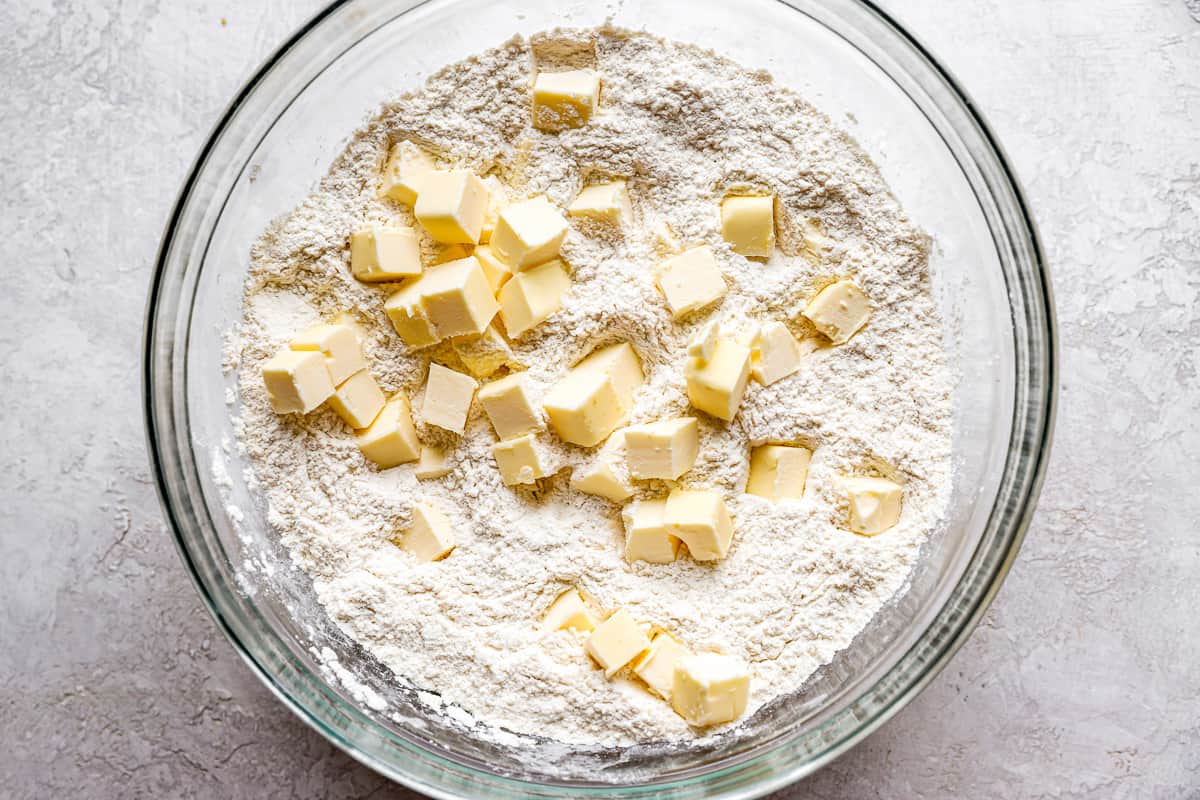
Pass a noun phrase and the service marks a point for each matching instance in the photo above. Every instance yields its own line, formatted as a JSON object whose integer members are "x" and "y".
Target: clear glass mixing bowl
{"x": 277, "y": 138}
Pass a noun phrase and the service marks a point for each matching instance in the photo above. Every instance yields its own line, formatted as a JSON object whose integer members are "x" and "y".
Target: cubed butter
{"x": 430, "y": 537}
{"x": 690, "y": 281}
{"x": 452, "y": 252}
{"x": 778, "y": 472}
{"x": 433, "y": 463}
{"x": 603, "y": 476}
{"x": 385, "y": 253}
{"x": 391, "y": 439}
{"x": 407, "y": 164}
{"x": 338, "y": 343}
{"x": 497, "y": 202}
{"x": 520, "y": 460}
{"x": 718, "y": 384}
{"x": 700, "y": 519}
{"x": 646, "y": 534}
{"x": 748, "y": 223}
{"x": 710, "y": 688}
{"x": 297, "y": 381}
{"x": 495, "y": 270}
{"x": 485, "y": 353}
{"x": 564, "y": 100}
{"x": 447, "y": 400}
{"x": 568, "y": 612}
{"x": 509, "y": 405}
{"x": 839, "y": 311}
{"x": 774, "y": 353}
{"x": 704, "y": 342}
{"x": 664, "y": 449}
{"x": 617, "y": 641}
{"x": 532, "y": 296}
{"x": 528, "y": 233}
{"x": 604, "y": 201}
{"x": 874, "y": 504}
{"x": 656, "y": 666}
{"x": 451, "y": 205}
{"x": 595, "y": 397}
{"x": 457, "y": 299}
{"x": 408, "y": 316}
{"x": 358, "y": 400}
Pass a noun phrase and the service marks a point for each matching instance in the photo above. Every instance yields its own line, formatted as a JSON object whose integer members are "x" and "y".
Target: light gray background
{"x": 1084, "y": 679}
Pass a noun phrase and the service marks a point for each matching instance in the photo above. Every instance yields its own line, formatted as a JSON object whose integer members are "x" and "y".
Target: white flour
{"x": 684, "y": 126}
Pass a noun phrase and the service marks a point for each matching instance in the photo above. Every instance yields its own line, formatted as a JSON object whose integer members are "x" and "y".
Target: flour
{"x": 684, "y": 127}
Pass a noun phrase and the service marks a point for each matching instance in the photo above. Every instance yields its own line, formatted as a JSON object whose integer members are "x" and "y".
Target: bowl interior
{"x": 280, "y": 137}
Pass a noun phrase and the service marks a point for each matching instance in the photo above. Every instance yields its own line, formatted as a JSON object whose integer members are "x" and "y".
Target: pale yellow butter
{"x": 485, "y": 353}
{"x": 447, "y": 401}
{"x": 748, "y": 223}
{"x": 646, "y": 534}
{"x": 406, "y": 165}
{"x": 408, "y": 316}
{"x": 358, "y": 400}
{"x": 391, "y": 439}
{"x": 452, "y": 252}
{"x": 656, "y": 666}
{"x": 451, "y": 206}
{"x": 433, "y": 463}
{"x": 775, "y": 353}
{"x": 601, "y": 476}
{"x": 839, "y": 311}
{"x": 497, "y": 201}
{"x": 430, "y": 537}
{"x": 778, "y": 472}
{"x": 528, "y": 233}
{"x": 297, "y": 381}
{"x": 568, "y": 612}
{"x": 700, "y": 519}
{"x": 385, "y": 253}
{"x": 532, "y": 296}
{"x": 564, "y": 100}
{"x": 457, "y": 299}
{"x": 710, "y": 688}
{"x": 604, "y": 201}
{"x": 495, "y": 270}
{"x": 617, "y": 641}
{"x": 717, "y": 385}
{"x": 595, "y": 397}
{"x": 690, "y": 281}
{"x": 510, "y": 407}
{"x": 874, "y": 504}
{"x": 520, "y": 460}
{"x": 340, "y": 346}
{"x": 664, "y": 449}
{"x": 704, "y": 342}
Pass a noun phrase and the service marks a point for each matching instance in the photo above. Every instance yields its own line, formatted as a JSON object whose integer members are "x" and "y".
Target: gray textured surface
{"x": 1084, "y": 678}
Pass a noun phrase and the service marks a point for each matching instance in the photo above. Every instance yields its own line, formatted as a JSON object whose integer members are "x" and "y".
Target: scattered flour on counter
{"x": 685, "y": 127}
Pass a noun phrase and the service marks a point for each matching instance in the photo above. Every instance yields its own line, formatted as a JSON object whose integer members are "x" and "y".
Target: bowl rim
{"x": 1037, "y": 427}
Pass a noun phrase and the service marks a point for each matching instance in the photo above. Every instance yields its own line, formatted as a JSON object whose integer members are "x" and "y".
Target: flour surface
{"x": 685, "y": 127}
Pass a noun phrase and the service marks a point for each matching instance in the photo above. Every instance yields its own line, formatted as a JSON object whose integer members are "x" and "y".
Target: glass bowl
{"x": 277, "y": 138}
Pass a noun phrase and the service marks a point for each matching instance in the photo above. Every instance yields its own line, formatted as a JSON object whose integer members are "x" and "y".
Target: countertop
{"x": 1081, "y": 681}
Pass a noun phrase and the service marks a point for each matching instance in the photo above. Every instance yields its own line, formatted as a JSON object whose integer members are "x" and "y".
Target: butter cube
{"x": 690, "y": 281}
{"x": 447, "y": 400}
{"x": 485, "y": 353}
{"x": 774, "y": 354}
{"x": 452, "y": 252}
{"x": 338, "y": 343}
{"x": 700, "y": 519}
{"x": 839, "y": 311}
{"x": 297, "y": 381}
{"x": 595, "y": 397}
{"x": 520, "y": 460}
{"x": 385, "y": 253}
{"x": 656, "y": 666}
{"x": 704, "y": 343}
{"x": 509, "y": 406}
{"x": 408, "y": 317}
{"x": 602, "y": 476}
{"x": 717, "y": 385}
{"x": 646, "y": 534}
{"x": 433, "y": 463}
{"x": 617, "y": 641}
{"x": 748, "y": 223}
{"x": 358, "y": 400}
{"x": 528, "y": 233}
{"x": 451, "y": 205}
{"x": 391, "y": 439}
{"x": 665, "y": 449}
{"x": 495, "y": 270}
{"x": 497, "y": 201}
{"x": 874, "y": 504}
{"x": 710, "y": 688}
{"x": 532, "y": 296}
{"x": 568, "y": 612}
{"x": 457, "y": 299}
{"x": 564, "y": 100}
{"x": 407, "y": 164}
{"x": 605, "y": 201}
{"x": 430, "y": 537}
{"x": 778, "y": 472}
